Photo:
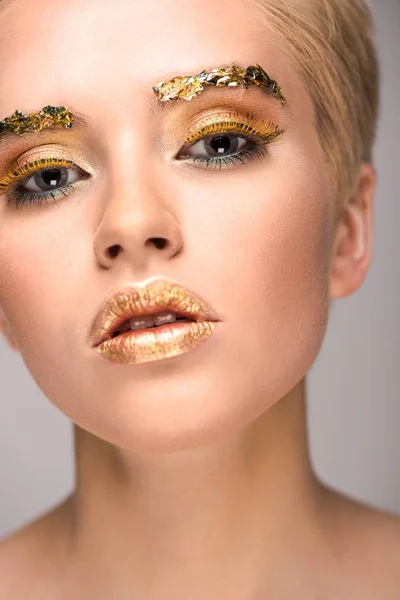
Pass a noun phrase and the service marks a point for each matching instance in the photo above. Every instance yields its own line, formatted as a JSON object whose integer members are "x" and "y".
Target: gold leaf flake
{"x": 187, "y": 87}
{"x": 49, "y": 116}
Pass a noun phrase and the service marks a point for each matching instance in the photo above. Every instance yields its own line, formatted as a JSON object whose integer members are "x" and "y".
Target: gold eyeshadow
{"x": 233, "y": 122}
{"x": 215, "y": 123}
{"x": 22, "y": 172}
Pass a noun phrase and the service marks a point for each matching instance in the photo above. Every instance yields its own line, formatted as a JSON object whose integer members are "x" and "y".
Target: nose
{"x": 137, "y": 224}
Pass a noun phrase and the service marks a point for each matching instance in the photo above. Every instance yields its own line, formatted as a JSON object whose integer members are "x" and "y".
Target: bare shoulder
{"x": 30, "y": 554}
{"x": 366, "y": 542}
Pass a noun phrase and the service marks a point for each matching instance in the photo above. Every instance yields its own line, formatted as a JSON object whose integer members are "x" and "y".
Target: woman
{"x": 212, "y": 163}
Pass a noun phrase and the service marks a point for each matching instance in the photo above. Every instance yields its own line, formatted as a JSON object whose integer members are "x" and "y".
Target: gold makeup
{"x": 187, "y": 87}
{"x": 17, "y": 182}
{"x": 112, "y": 332}
{"x": 30, "y": 168}
{"x": 233, "y": 122}
{"x": 229, "y": 139}
{"x": 166, "y": 341}
{"x": 48, "y": 116}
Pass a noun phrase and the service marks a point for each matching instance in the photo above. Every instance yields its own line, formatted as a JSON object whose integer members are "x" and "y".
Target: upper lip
{"x": 149, "y": 297}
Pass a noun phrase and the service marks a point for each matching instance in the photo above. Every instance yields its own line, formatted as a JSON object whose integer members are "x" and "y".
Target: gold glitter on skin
{"x": 187, "y": 87}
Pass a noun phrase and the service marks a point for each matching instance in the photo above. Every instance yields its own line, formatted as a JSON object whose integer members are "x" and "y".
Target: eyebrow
{"x": 187, "y": 87}
{"x": 155, "y": 105}
{"x": 82, "y": 122}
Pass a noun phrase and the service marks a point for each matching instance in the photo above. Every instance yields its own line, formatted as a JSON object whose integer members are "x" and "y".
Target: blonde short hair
{"x": 331, "y": 43}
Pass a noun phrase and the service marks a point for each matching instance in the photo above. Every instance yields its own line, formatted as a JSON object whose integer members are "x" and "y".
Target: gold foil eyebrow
{"x": 187, "y": 87}
{"x": 48, "y": 116}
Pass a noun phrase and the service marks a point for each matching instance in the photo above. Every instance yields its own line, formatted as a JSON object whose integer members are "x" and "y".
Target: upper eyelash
{"x": 232, "y": 122}
{"x": 39, "y": 164}
{"x": 9, "y": 184}
{"x": 260, "y": 133}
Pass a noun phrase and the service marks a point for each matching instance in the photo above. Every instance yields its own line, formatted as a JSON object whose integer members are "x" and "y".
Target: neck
{"x": 220, "y": 521}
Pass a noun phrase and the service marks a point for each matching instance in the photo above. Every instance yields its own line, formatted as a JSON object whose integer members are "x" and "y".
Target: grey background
{"x": 353, "y": 387}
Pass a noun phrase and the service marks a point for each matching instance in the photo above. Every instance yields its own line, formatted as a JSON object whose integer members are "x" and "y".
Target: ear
{"x": 5, "y": 330}
{"x": 352, "y": 251}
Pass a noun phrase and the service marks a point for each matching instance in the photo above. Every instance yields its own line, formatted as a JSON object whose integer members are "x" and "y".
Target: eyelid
{"x": 234, "y": 122}
{"x": 26, "y": 170}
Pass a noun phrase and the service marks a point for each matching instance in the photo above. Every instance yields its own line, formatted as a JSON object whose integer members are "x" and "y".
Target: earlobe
{"x": 352, "y": 251}
{"x": 5, "y": 330}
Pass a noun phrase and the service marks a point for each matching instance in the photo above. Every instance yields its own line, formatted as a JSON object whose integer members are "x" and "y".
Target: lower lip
{"x": 147, "y": 345}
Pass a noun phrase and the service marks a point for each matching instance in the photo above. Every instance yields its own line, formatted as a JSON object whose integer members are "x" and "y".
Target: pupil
{"x": 222, "y": 143}
{"x": 50, "y": 178}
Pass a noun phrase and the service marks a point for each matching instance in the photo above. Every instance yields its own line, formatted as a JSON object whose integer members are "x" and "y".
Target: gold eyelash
{"x": 49, "y": 116}
{"x": 212, "y": 125}
{"x": 188, "y": 86}
{"x": 22, "y": 172}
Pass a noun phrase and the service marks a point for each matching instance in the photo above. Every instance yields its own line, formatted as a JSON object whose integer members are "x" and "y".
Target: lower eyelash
{"x": 21, "y": 198}
{"x": 252, "y": 152}
{"x": 244, "y": 156}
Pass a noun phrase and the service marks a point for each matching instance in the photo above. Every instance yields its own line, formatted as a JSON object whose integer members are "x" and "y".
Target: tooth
{"x": 164, "y": 317}
{"x": 141, "y": 322}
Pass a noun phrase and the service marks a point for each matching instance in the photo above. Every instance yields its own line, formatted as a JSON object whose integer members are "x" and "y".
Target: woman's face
{"x": 252, "y": 238}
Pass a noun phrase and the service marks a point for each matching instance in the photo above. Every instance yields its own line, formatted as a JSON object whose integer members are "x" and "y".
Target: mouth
{"x": 156, "y": 307}
{"x": 149, "y": 321}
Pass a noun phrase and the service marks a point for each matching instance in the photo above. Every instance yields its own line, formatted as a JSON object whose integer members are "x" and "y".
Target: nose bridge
{"x": 137, "y": 215}
{"x": 129, "y": 159}
{"x": 133, "y": 193}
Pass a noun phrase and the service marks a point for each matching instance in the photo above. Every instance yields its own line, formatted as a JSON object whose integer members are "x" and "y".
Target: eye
{"x": 50, "y": 179}
{"x": 228, "y": 139}
{"x": 217, "y": 145}
{"x": 41, "y": 179}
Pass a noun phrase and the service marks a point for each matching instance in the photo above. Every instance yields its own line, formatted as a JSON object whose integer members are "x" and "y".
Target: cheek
{"x": 34, "y": 271}
{"x": 294, "y": 263}
{"x": 259, "y": 253}
{"x": 272, "y": 250}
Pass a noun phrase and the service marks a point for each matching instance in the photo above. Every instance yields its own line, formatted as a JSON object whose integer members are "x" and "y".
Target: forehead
{"x": 110, "y": 54}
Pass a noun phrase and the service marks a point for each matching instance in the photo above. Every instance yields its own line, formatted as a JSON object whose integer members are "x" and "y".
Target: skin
{"x": 193, "y": 473}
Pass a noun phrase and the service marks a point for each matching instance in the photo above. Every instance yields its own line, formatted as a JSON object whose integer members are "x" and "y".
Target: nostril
{"x": 113, "y": 251}
{"x": 159, "y": 242}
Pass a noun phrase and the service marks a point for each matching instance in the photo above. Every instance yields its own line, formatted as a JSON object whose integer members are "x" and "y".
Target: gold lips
{"x": 147, "y": 345}
{"x": 151, "y": 297}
